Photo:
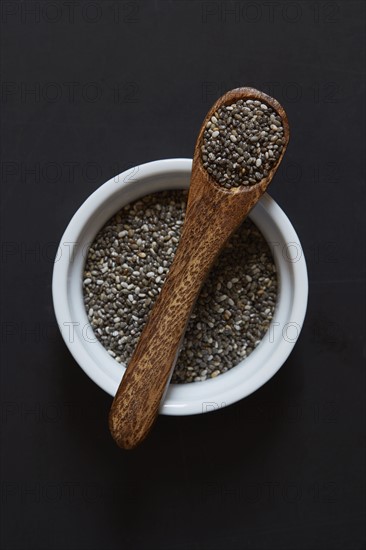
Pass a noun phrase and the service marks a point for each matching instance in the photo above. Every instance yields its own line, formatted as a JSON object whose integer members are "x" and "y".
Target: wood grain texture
{"x": 213, "y": 214}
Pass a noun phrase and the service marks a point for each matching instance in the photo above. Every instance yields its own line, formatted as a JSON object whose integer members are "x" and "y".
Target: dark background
{"x": 90, "y": 89}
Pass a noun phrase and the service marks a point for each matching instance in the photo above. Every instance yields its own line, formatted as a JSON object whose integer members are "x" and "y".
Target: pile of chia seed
{"x": 127, "y": 265}
{"x": 242, "y": 142}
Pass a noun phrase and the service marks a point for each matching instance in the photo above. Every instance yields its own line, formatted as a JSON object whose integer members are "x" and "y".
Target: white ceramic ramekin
{"x": 198, "y": 397}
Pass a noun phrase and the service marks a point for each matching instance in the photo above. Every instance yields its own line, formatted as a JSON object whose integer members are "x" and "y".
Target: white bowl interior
{"x": 191, "y": 398}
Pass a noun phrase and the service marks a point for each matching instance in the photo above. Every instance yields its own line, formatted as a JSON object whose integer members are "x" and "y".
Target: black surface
{"x": 283, "y": 469}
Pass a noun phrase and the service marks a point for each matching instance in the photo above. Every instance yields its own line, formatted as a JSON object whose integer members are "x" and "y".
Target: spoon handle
{"x": 137, "y": 401}
{"x": 211, "y": 217}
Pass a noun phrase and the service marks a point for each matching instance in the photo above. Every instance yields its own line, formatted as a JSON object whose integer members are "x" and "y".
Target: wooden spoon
{"x": 213, "y": 214}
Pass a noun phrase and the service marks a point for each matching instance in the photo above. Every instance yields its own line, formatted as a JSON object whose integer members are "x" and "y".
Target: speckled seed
{"x": 236, "y": 143}
{"x": 131, "y": 256}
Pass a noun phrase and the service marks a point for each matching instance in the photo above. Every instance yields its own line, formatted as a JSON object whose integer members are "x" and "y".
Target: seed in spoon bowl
{"x": 242, "y": 142}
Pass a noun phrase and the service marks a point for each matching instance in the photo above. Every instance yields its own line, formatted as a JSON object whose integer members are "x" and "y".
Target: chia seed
{"x": 242, "y": 142}
{"x": 127, "y": 265}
